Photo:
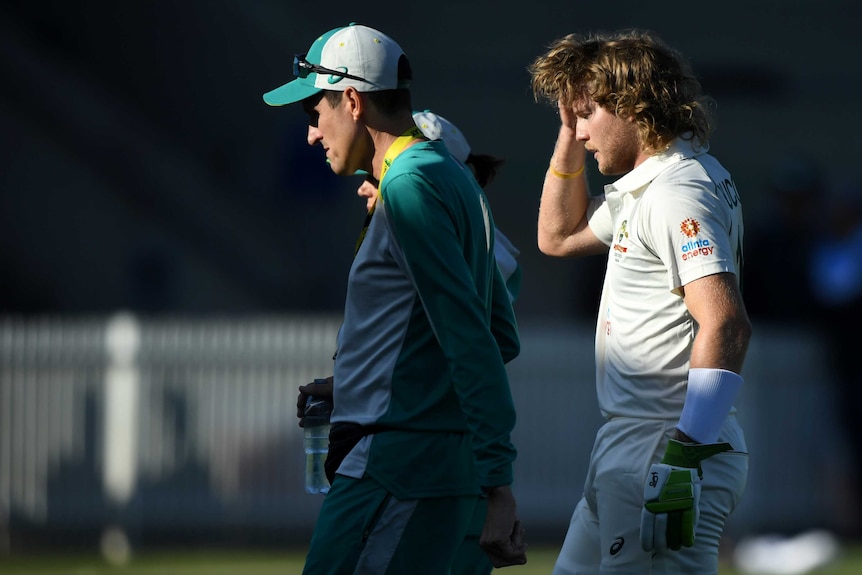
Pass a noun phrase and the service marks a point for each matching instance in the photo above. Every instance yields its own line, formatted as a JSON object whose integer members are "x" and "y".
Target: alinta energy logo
{"x": 690, "y": 228}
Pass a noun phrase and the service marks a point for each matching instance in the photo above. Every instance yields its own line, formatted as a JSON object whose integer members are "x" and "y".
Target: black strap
{"x": 343, "y": 437}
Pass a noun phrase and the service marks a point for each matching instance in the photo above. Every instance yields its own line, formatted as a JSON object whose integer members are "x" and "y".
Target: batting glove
{"x": 672, "y": 495}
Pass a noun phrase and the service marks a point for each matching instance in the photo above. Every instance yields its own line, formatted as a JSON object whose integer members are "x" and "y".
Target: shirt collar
{"x": 679, "y": 150}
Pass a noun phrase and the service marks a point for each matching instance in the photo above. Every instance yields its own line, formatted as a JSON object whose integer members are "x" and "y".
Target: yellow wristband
{"x": 566, "y": 176}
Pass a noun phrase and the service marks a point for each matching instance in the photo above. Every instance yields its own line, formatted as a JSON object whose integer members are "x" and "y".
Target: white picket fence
{"x": 186, "y": 427}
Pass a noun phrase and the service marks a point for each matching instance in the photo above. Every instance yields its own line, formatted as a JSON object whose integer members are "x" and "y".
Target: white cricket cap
{"x": 435, "y": 127}
{"x": 369, "y": 55}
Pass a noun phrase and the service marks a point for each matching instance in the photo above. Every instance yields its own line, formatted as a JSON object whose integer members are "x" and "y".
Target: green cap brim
{"x": 293, "y": 91}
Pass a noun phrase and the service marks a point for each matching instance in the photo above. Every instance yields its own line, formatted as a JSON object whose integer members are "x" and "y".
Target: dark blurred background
{"x": 141, "y": 169}
{"x": 142, "y": 172}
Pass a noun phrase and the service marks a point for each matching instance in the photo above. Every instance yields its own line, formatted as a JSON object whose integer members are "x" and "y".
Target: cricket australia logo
{"x": 622, "y": 234}
{"x": 624, "y": 231}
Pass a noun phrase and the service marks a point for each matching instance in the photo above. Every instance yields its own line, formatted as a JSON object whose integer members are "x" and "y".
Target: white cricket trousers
{"x": 604, "y": 534}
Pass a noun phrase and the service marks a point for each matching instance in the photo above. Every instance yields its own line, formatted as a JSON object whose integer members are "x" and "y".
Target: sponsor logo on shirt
{"x": 622, "y": 234}
{"x": 690, "y": 228}
{"x": 624, "y": 231}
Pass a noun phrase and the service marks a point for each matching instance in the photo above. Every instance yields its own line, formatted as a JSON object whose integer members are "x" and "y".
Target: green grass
{"x": 211, "y": 562}
{"x": 162, "y": 563}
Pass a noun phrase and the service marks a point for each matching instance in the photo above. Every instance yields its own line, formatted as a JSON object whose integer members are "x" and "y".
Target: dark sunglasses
{"x": 302, "y": 68}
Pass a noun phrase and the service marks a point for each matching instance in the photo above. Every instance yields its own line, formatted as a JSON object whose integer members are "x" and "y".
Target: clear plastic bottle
{"x": 316, "y": 426}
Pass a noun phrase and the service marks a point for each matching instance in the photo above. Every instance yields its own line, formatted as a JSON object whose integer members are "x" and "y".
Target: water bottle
{"x": 316, "y": 426}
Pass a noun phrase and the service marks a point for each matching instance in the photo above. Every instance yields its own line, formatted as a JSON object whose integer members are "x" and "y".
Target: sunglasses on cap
{"x": 302, "y": 68}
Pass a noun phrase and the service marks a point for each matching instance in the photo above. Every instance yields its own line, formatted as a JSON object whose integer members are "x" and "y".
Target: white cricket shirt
{"x": 673, "y": 219}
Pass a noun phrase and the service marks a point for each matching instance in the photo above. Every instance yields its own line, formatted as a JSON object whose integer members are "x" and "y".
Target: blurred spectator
{"x": 836, "y": 266}
{"x": 803, "y": 271}
{"x": 835, "y": 277}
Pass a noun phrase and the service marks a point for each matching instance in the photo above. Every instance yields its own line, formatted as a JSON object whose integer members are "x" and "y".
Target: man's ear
{"x": 354, "y": 101}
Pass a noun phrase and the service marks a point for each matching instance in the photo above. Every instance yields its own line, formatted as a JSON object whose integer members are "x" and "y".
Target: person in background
{"x": 422, "y": 406}
{"x": 835, "y": 277}
{"x": 668, "y": 465}
{"x": 484, "y": 168}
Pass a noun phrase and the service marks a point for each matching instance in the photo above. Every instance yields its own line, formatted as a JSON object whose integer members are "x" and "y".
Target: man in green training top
{"x": 423, "y": 412}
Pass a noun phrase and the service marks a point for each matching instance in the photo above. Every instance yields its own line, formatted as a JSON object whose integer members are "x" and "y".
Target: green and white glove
{"x": 672, "y": 495}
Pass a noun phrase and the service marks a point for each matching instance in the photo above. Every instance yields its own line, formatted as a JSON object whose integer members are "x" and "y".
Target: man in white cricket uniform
{"x": 669, "y": 465}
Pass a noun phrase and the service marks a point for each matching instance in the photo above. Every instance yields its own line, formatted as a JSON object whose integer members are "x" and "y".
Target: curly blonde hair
{"x": 632, "y": 74}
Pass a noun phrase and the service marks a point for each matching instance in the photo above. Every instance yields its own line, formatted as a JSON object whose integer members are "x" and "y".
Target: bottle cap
{"x": 317, "y": 406}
